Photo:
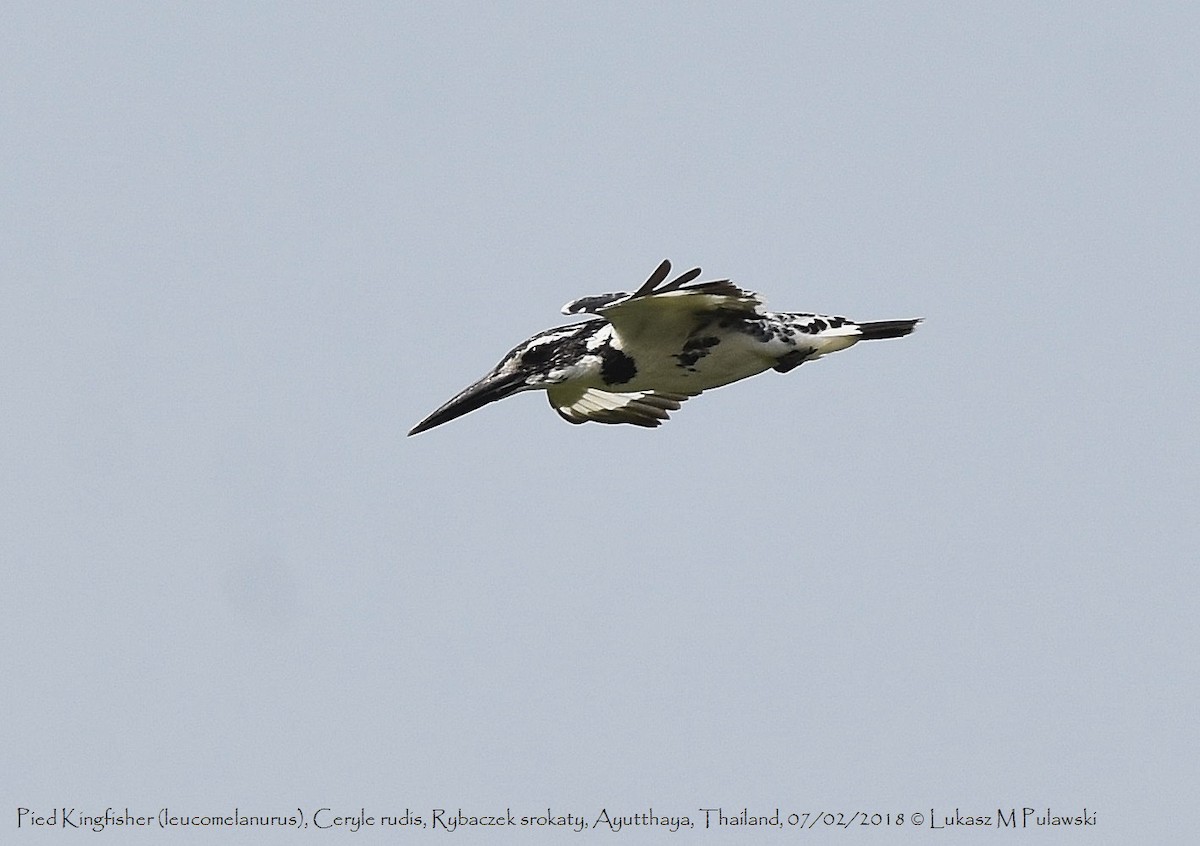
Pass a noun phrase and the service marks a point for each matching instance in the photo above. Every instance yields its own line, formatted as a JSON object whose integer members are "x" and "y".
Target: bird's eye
{"x": 536, "y": 355}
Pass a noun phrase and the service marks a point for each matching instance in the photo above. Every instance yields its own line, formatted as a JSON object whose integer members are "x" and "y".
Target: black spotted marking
{"x": 758, "y": 328}
{"x": 695, "y": 349}
{"x": 616, "y": 368}
{"x": 792, "y": 360}
{"x": 812, "y": 324}
{"x": 768, "y": 328}
{"x": 701, "y": 343}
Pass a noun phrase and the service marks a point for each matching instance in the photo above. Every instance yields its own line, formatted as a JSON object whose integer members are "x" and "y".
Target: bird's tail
{"x": 880, "y": 329}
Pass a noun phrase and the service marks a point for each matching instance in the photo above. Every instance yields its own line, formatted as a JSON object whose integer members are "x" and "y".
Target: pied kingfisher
{"x": 647, "y": 352}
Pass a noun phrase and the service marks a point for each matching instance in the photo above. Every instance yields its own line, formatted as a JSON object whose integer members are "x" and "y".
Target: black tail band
{"x": 881, "y": 329}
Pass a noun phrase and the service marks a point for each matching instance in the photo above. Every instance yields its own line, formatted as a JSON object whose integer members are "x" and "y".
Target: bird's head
{"x": 546, "y": 359}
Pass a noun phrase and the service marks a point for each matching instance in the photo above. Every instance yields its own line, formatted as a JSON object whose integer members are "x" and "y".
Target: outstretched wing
{"x": 666, "y": 313}
{"x": 641, "y": 408}
{"x": 666, "y": 309}
{"x": 719, "y": 293}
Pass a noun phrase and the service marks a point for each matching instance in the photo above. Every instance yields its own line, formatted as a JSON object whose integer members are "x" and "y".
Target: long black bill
{"x": 488, "y": 389}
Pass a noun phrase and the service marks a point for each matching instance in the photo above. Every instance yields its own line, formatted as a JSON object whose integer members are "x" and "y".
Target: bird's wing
{"x": 641, "y": 408}
{"x": 720, "y": 292}
{"x": 593, "y": 304}
{"x": 666, "y": 308}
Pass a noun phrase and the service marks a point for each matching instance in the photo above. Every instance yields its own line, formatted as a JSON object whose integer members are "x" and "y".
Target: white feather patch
{"x": 641, "y": 408}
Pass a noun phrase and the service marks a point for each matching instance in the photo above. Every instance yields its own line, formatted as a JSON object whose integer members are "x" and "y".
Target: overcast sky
{"x": 244, "y": 248}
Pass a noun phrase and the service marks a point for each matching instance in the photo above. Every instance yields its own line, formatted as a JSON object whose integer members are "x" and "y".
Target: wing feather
{"x": 659, "y": 274}
{"x": 640, "y": 408}
{"x": 666, "y": 309}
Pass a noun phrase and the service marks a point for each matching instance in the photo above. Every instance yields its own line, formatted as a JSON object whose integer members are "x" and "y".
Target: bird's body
{"x": 649, "y": 351}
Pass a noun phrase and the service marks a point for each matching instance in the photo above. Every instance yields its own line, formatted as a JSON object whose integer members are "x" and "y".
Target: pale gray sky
{"x": 244, "y": 249}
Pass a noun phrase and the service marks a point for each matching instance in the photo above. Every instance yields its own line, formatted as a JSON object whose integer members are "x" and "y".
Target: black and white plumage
{"x": 648, "y": 351}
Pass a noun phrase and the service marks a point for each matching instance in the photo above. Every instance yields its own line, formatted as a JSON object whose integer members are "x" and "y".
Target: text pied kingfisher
{"x": 647, "y": 352}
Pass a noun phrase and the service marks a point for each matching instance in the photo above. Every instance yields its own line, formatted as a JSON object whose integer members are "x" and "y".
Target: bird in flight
{"x": 644, "y": 353}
